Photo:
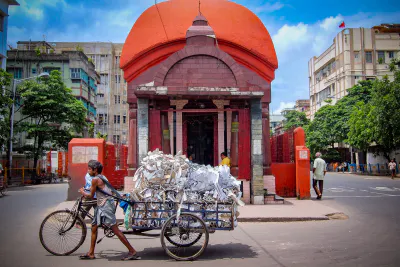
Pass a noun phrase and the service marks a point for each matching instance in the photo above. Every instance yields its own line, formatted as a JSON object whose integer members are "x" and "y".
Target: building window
{"x": 101, "y": 119}
{"x": 117, "y": 119}
{"x": 391, "y": 54}
{"x": 356, "y": 55}
{"x": 116, "y": 139}
{"x": 124, "y": 119}
{"x": 17, "y": 73}
{"x": 118, "y": 78}
{"x": 75, "y": 73}
{"x": 1, "y": 22}
{"x": 33, "y": 70}
{"x": 381, "y": 57}
{"x": 105, "y": 119}
{"x": 104, "y": 79}
{"x": 117, "y": 99}
{"x": 368, "y": 57}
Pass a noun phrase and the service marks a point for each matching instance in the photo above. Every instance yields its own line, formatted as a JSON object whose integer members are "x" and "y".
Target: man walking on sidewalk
{"x": 392, "y": 167}
{"x": 319, "y": 171}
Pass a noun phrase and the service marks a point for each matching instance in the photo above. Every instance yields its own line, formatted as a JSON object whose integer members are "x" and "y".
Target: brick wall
{"x": 200, "y": 71}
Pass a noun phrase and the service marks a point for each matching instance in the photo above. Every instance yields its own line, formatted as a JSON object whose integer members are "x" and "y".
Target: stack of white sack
{"x": 173, "y": 179}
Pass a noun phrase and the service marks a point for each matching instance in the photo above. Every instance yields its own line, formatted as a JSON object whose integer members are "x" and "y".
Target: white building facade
{"x": 356, "y": 54}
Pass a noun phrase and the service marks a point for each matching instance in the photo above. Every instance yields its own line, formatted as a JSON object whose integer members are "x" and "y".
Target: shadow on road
{"x": 213, "y": 252}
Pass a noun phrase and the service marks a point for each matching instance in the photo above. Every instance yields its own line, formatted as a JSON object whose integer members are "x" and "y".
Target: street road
{"x": 370, "y": 237}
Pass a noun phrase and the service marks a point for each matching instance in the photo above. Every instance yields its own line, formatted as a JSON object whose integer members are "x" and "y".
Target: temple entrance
{"x": 200, "y": 137}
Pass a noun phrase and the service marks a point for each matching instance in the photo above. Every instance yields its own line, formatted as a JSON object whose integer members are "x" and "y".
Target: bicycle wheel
{"x": 57, "y": 234}
{"x": 189, "y": 236}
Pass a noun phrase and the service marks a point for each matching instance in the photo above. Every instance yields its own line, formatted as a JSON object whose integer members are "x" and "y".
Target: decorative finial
{"x": 199, "y": 7}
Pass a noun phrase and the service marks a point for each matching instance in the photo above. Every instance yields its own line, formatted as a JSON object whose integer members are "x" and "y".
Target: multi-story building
{"x": 78, "y": 72}
{"x": 112, "y": 108}
{"x": 303, "y": 105}
{"x": 4, "y": 4}
{"x": 356, "y": 54}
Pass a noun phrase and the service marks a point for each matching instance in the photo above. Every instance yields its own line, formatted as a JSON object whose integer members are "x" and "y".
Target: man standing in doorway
{"x": 319, "y": 171}
{"x": 392, "y": 167}
{"x": 225, "y": 160}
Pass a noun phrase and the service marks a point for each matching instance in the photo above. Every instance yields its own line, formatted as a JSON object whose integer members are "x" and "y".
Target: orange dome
{"x": 231, "y": 22}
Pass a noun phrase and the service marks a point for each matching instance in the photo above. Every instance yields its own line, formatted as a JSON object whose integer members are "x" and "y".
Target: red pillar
{"x": 154, "y": 129}
{"x": 302, "y": 159}
{"x": 234, "y": 144}
{"x": 216, "y": 156}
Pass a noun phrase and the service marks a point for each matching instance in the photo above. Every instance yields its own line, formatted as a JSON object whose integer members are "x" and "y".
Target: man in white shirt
{"x": 392, "y": 167}
{"x": 319, "y": 171}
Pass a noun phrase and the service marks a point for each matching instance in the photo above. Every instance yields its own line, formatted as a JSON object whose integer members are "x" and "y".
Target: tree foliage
{"x": 5, "y": 104}
{"x": 368, "y": 114}
{"x": 378, "y": 120}
{"x": 294, "y": 119}
{"x": 50, "y": 113}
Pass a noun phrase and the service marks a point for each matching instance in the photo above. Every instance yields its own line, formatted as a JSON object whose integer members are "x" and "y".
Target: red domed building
{"x": 200, "y": 82}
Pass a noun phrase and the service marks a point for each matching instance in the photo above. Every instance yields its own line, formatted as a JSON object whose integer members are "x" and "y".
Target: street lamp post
{"x": 15, "y": 83}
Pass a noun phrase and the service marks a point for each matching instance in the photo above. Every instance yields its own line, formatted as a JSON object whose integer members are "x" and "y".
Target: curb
{"x": 283, "y": 219}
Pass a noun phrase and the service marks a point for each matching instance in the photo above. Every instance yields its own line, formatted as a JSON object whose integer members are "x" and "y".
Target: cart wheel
{"x": 3, "y": 190}
{"x": 184, "y": 239}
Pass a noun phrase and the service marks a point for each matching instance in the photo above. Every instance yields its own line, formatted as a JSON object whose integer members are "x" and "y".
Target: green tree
{"x": 91, "y": 130}
{"x": 331, "y": 123}
{"x": 5, "y": 105}
{"x": 100, "y": 135}
{"x": 50, "y": 113}
{"x": 294, "y": 119}
{"x": 378, "y": 120}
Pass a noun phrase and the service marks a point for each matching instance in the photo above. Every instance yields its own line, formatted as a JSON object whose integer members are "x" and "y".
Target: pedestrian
{"x": 392, "y": 167}
{"x": 104, "y": 212}
{"x": 88, "y": 203}
{"x": 225, "y": 160}
{"x": 319, "y": 171}
{"x": 190, "y": 159}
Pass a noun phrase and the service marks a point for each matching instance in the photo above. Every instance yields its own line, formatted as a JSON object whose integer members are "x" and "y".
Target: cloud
{"x": 268, "y": 7}
{"x": 29, "y": 9}
{"x": 282, "y": 106}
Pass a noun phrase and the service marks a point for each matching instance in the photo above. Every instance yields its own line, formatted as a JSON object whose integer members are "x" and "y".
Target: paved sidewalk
{"x": 292, "y": 210}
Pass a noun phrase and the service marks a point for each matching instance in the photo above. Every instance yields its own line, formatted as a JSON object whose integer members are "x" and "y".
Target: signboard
{"x": 82, "y": 154}
{"x": 303, "y": 154}
{"x": 166, "y": 134}
{"x": 235, "y": 127}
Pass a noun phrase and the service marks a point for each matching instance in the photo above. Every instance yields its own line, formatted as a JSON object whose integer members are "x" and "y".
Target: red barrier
{"x": 285, "y": 178}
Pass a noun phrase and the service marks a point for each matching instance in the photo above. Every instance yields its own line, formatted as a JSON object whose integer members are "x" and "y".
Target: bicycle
{"x": 67, "y": 229}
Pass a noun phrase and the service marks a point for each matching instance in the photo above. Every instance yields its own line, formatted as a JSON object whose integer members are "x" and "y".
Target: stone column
{"x": 143, "y": 128}
{"x": 179, "y": 117}
{"x": 132, "y": 149}
{"x": 221, "y": 127}
{"x": 228, "y": 131}
{"x": 257, "y": 181}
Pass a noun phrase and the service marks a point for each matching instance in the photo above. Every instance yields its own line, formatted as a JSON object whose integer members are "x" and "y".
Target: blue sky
{"x": 300, "y": 29}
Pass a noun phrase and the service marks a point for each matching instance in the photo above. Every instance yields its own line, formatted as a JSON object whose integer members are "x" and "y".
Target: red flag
{"x": 342, "y": 25}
